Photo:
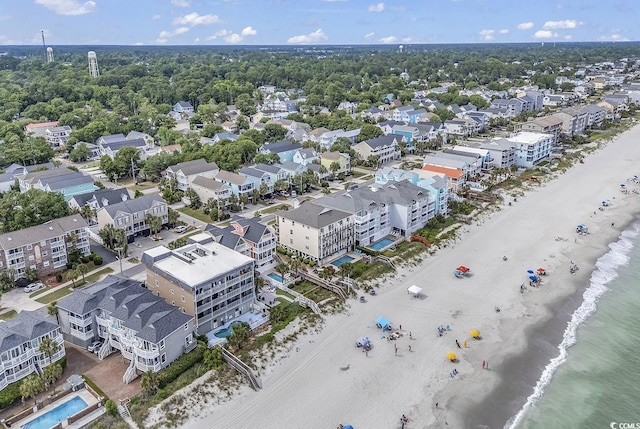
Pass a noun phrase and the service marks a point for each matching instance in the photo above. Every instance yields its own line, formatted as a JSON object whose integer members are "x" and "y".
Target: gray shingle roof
{"x": 26, "y": 326}
{"x": 117, "y": 145}
{"x": 66, "y": 180}
{"x": 314, "y": 215}
{"x": 205, "y": 182}
{"x": 268, "y": 168}
{"x": 193, "y": 167}
{"x": 112, "y": 138}
{"x": 137, "y": 307}
{"x": 382, "y": 141}
{"x": 253, "y": 232}
{"x": 51, "y": 229}
{"x": 281, "y": 146}
{"x": 111, "y": 196}
{"x": 133, "y": 206}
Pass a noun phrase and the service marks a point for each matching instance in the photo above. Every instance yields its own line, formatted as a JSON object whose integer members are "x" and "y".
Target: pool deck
{"x": 82, "y": 393}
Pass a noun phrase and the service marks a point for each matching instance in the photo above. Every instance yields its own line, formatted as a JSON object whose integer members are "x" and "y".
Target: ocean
{"x": 594, "y": 382}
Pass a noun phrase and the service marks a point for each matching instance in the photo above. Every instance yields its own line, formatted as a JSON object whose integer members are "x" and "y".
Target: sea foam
{"x": 606, "y": 269}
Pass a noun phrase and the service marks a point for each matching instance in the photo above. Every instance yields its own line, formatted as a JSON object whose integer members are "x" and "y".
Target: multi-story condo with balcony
{"x": 204, "y": 279}
{"x": 44, "y": 248}
{"x": 131, "y": 215}
{"x": 129, "y": 318}
{"x": 316, "y": 232}
{"x": 186, "y": 172}
{"x": 249, "y": 237}
{"x": 531, "y": 148}
{"x": 385, "y": 148}
{"x": 239, "y": 184}
{"x": 20, "y": 340}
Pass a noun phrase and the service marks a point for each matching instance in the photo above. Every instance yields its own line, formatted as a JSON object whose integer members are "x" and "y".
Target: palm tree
{"x": 150, "y": 382}
{"x": 346, "y": 269}
{"x": 334, "y": 167}
{"x": 82, "y": 269}
{"x": 31, "y": 386}
{"x": 282, "y": 268}
{"x": 51, "y": 374}
{"x": 173, "y": 216}
{"x": 48, "y": 347}
{"x": 155, "y": 224}
{"x": 52, "y": 310}
{"x": 294, "y": 265}
{"x": 72, "y": 275}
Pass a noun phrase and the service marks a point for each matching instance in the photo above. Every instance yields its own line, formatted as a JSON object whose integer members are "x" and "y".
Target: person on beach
{"x": 458, "y": 344}
{"x": 483, "y": 364}
{"x": 409, "y": 347}
{"x": 465, "y": 344}
{"x": 487, "y": 365}
{"x": 410, "y": 336}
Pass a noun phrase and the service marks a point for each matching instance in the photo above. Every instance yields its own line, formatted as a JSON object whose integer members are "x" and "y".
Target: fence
{"x": 80, "y": 414}
{"x": 241, "y": 367}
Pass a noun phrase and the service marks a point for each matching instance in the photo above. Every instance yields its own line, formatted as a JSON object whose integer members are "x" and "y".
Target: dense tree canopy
{"x": 34, "y": 207}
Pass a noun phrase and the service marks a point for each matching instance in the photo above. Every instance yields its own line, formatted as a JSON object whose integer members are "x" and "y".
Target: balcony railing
{"x": 80, "y": 321}
{"x": 147, "y": 354}
{"x": 20, "y": 374}
{"x": 155, "y": 367}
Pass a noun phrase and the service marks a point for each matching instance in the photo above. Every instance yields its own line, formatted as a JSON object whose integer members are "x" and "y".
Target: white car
{"x": 95, "y": 346}
{"x": 180, "y": 229}
{"x": 33, "y": 287}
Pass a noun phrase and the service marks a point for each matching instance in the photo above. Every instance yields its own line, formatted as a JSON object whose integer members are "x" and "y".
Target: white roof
{"x": 529, "y": 138}
{"x": 414, "y": 289}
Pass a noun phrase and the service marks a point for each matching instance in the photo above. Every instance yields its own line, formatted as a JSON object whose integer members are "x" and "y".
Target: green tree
{"x": 150, "y": 382}
{"x": 266, "y": 158}
{"x": 31, "y": 208}
{"x": 73, "y": 276}
{"x": 213, "y": 358}
{"x": 346, "y": 269}
{"x": 82, "y": 269}
{"x": 172, "y": 217}
{"x": 50, "y": 374}
{"x": 126, "y": 161}
{"x": 240, "y": 333}
{"x": 334, "y": 167}
{"x": 155, "y": 224}
{"x": 282, "y": 268}
{"x": 48, "y": 347}
{"x": 368, "y": 132}
{"x": 31, "y": 387}
{"x": 80, "y": 153}
{"x": 274, "y": 132}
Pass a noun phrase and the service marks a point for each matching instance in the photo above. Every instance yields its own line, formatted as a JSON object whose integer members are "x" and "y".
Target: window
{"x": 163, "y": 359}
{"x": 31, "y": 257}
{"x": 173, "y": 303}
{"x": 291, "y": 241}
{"x": 161, "y": 344}
{"x": 182, "y": 297}
{"x": 29, "y": 247}
{"x": 45, "y": 253}
{"x": 45, "y": 263}
{"x": 157, "y": 282}
{"x": 172, "y": 292}
{"x": 291, "y": 231}
{"x": 186, "y": 326}
{"x": 43, "y": 243}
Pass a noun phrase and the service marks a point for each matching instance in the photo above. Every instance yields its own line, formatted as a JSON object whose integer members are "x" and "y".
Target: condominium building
{"x": 316, "y": 232}
{"x": 20, "y": 340}
{"x": 145, "y": 329}
{"x": 203, "y": 279}
{"x": 45, "y": 247}
{"x": 531, "y": 148}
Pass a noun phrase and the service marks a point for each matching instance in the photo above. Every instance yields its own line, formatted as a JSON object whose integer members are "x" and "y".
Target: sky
{"x": 314, "y": 22}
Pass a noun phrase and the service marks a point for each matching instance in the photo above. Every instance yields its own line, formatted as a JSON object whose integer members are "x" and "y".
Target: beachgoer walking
{"x": 410, "y": 336}
{"x": 409, "y": 347}
{"x": 458, "y": 344}
{"x": 436, "y": 405}
{"x": 366, "y": 353}
{"x": 487, "y": 366}
{"x": 465, "y": 344}
{"x": 401, "y": 327}
{"x": 483, "y": 364}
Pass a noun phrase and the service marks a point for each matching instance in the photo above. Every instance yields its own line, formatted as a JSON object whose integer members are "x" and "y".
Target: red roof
{"x": 447, "y": 171}
{"x": 42, "y": 125}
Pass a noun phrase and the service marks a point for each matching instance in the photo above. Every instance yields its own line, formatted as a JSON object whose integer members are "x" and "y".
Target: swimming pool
{"x": 342, "y": 260}
{"x": 58, "y": 414}
{"x": 381, "y": 244}
{"x": 275, "y": 276}
{"x": 224, "y": 333}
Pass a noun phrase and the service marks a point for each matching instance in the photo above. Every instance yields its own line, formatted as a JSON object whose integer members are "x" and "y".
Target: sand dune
{"x": 310, "y": 388}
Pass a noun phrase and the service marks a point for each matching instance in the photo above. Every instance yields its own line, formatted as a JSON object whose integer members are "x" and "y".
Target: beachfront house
{"x": 20, "y": 340}
{"x": 129, "y": 318}
{"x": 204, "y": 279}
{"x": 502, "y": 152}
{"x": 531, "y": 148}
{"x": 435, "y": 184}
{"x": 315, "y": 232}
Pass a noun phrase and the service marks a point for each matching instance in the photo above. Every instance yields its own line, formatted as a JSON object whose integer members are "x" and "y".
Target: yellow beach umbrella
{"x": 452, "y": 356}
{"x": 475, "y": 333}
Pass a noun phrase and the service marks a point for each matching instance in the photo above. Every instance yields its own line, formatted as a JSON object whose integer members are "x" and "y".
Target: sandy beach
{"x": 325, "y": 380}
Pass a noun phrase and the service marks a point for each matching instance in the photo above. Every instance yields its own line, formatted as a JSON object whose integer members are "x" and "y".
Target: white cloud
{"x": 525, "y": 26}
{"x": 233, "y": 38}
{"x": 369, "y": 35}
{"x": 407, "y": 39}
{"x": 314, "y": 37}
{"x": 567, "y": 37}
{"x": 504, "y": 31}
{"x": 248, "y": 31}
{"x": 156, "y": 17}
{"x": 544, "y": 34}
{"x": 560, "y": 25}
{"x": 487, "y": 35}
{"x": 165, "y": 35}
{"x": 195, "y": 18}
{"x": 68, "y": 7}
{"x": 180, "y": 30}
{"x": 388, "y": 39}
{"x": 376, "y": 7}
{"x": 180, "y": 3}
{"x": 222, "y": 33}
{"x": 613, "y": 38}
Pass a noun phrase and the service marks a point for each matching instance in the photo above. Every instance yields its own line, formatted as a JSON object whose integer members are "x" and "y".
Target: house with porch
{"x": 98, "y": 199}
{"x": 258, "y": 178}
{"x": 305, "y": 156}
{"x": 131, "y": 215}
{"x": 186, "y": 172}
{"x": 111, "y": 144}
{"x": 343, "y": 159}
{"x": 207, "y": 189}
{"x": 67, "y": 182}
{"x": 238, "y": 184}
{"x": 386, "y": 148}
{"x": 183, "y": 107}
{"x": 284, "y": 149}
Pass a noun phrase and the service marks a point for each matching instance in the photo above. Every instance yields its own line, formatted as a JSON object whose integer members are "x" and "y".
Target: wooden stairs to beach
{"x": 323, "y": 283}
{"x": 242, "y": 368}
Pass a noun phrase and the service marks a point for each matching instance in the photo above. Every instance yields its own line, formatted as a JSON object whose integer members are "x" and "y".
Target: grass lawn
{"x": 61, "y": 292}
{"x": 357, "y": 174}
{"x": 198, "y": 214}
{"x": 283, "y": 293}
{"x": 8, "y": 315}
{"x": 273, "y": 209}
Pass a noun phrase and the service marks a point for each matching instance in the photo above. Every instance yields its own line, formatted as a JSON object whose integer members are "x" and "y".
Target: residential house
{"x": 574, "y": 120}
{"x": 460, "y": 127}
{"x": 205, "y": 279}
{"x": 230, "y": 127}
{"x": 39, "y": 129}
{"x": 20, "y": 340}
{"x": 502, "y": 152}
{"x": 455, "y": 176}
{"x": 131, "y": 215}
{"x": 473, "y": 160}
{"x": 315, "y": 232}
{"x": 413, "y": 116}
{"x": 480, "y": 118}
{"x": 249, "y": 237}
{"x": 342, "y": 159}
{"x": 134, "y": 135}
{"x": 185, "y": 172}
{"x": 435, "y": 184}
{"x": 327, "y": 138}
{"x": 397, "y": 113}
{"x": 239, "y": 184}
{"x": 110, "y": 145}
{"x": 387, "y": 126}
{"x": 543, "y": 125}
{"x": 305, "y": 156}
{"x": 62, "y": 180}
{"x": 207, "y": 189}
{"x": 183, "y": 107}
{"x": 267, "y": 89}
{"x": 373, "y": 114}
{"x": 284, "y": 149}
{"x": 275, "y": 171}
{"x": 44, "y": 248}
{"x": 292, "y": 169}
{"x": 614, "y": 106}
{"x": 223, "y": 136}
{"x": 596, "y": 115}
{"x": 320, "y": 172}
{"x": 98, "y": 199}
{"x": 513, "y": 106}
{"x": 171, "y": 149}
{"x": 599, "y": 82}
{"x": 348, "y": 106}
{"x": 132, "y": 319}
{"x": 258, "y": 178}
{"x": 531, "y": 148}
{"x": 554, "y": 100}
{"x": 57, "y": 137}
{"x": 475, "y": 151}
{"x": 385, "y": 148}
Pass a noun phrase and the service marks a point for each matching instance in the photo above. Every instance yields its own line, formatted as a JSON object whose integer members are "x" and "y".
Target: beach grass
{"x": 8, "y": 315}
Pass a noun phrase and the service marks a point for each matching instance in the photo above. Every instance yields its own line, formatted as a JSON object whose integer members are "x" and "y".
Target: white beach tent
{"x": 414, "y": 290}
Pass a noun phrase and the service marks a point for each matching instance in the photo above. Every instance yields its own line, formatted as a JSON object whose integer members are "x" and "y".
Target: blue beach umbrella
{"x": 533, "y": 278}
{"x": 530, "y": 271}
{"x": 622, "y": 185}
{"x": 347, "y": 427}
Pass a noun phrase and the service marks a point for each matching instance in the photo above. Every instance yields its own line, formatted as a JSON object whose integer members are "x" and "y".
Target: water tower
{"x": 49, "y": 55}
{"x": 93, "y": 64}
{"x": 401, "y": 48}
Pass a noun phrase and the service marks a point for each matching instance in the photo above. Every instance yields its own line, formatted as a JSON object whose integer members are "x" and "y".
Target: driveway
{"x": 18, "y": 300}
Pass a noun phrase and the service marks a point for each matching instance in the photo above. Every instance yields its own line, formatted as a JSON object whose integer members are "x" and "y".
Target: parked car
{"x": 180, "y": 229}
{"x": 33, "y": 287}
{"x": 95, "y": 346}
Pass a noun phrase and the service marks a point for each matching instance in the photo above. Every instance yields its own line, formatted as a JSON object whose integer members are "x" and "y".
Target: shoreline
{"x": 375, "y": 390}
